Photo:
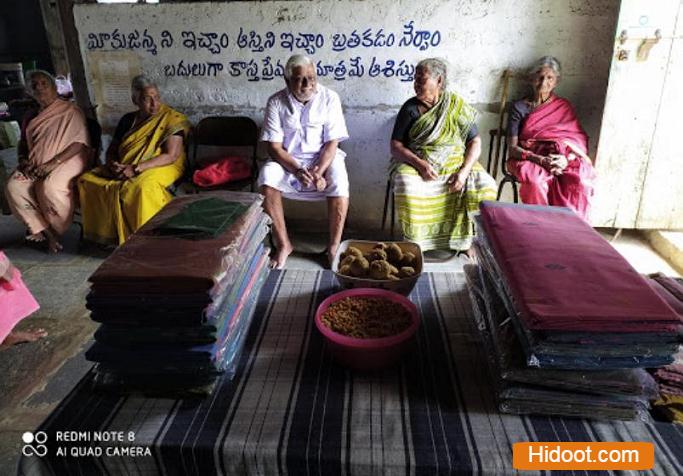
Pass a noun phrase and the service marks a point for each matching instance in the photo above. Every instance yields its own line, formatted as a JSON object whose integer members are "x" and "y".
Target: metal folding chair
{"x": 225, "y": 131}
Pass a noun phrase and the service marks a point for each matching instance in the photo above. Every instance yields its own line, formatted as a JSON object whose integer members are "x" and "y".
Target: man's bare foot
{"x": 280, "y": 257}
{"x": 331, "y": 253}
{"x": 18, "y": 337}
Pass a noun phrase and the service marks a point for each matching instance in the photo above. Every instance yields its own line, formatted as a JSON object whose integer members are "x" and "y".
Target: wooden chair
{"x": 498, "y": 144}
{"x": 507, "y": 176}
{"x": 95, "y": 134}
{"x": 235, "y": 132}
{"x": 389, "y": 201}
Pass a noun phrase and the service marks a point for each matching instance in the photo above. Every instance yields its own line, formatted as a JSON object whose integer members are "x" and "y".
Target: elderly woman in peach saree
{"x": 54, "y": 150}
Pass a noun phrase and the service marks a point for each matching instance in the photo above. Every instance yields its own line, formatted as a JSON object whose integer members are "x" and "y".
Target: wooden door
{"x": 640, "y": 154}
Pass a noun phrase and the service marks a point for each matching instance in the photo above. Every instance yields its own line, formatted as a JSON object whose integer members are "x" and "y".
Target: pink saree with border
{"x": 553, "y": 128}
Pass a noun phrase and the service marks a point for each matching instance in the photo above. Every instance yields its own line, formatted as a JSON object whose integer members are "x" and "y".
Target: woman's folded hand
{"x": 45, "y": 169}
{"x": 426, "y": 171}
{"x": 558, "y": 161}
{"x": 457, "y": 181}
{"x": 127, "y": 172}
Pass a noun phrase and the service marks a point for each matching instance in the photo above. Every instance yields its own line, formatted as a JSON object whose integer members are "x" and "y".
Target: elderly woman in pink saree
{"x": 53, "y": 151}
{"x": 548, "y": 149}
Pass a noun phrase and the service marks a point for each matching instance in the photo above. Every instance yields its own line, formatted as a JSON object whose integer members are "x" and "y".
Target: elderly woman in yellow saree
{"x": 438, "y": 182}
{"x": 145, "y": 157}
{"x": 54, "y": 149}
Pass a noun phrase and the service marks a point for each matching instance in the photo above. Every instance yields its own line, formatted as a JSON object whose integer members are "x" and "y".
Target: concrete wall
{"x": 479, "y": 38}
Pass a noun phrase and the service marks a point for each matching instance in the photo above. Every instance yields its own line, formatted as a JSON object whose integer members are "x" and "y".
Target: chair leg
{"x": 386, "y": 204}
{"x": 80, "y": 231}
{"x": 500, "y": 189}
{"x": 515, "y": 192}
{"x": 490, "y": 156}
{"x": 393, "y": 214}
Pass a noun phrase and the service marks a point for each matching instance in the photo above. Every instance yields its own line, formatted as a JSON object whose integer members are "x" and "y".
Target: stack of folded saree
{"x": 568, "y": 323}
{"x": 670, "y": 402}
{"x": 176, "y": 299}
{"x": 670, "y": 378}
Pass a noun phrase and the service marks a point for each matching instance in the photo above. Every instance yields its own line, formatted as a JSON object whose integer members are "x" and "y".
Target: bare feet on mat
{"x": 280, "y": 257}
{"x": 470, "y": 253}
{"x": 18, "y": 337}
{"x": 331, "y": 253}
{"x": 36, "y": 237}
{"x": 54, "y": 246}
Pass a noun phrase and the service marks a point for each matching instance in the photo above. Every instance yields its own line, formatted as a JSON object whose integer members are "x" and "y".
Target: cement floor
{"x": 36, "y": 376}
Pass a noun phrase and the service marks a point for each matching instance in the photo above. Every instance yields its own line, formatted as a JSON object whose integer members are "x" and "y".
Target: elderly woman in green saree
{"x": 435, "y": 146}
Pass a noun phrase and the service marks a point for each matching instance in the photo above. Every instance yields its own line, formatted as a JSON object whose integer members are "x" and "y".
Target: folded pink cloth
{"x": 670, "y": 373}
{"x": 16, "y": 302}
{"x": 227, "y": 169}
{"x": 564, "y": 276}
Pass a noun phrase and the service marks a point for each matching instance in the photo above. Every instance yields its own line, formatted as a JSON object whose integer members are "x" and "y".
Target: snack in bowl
{"x": 366, "y": 317}
{"x": 395, "y": 266}
{"x": 382, "y": 333}
{"x": 382, "y": 262}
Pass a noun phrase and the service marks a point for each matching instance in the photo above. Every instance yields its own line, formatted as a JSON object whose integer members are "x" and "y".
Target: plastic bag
{"x": 64, "y": 86}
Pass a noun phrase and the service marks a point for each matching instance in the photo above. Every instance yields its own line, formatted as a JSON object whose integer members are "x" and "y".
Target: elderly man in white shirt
{"x": 303, "y": 126}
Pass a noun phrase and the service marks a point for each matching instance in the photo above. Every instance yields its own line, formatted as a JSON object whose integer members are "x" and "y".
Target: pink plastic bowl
{"x": 367, "y": 354}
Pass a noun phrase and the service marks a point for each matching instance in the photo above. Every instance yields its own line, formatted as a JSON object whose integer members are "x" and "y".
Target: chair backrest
{"x": 95, "y": 133}
{"x": 498, "y": 148}
{"x": 225, "y": 131}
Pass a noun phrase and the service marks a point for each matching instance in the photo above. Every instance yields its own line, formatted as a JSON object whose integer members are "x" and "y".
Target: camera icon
{"x": 34, "y": 444}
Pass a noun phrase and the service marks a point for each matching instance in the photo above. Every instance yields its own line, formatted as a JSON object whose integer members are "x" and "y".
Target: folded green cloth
{"x": 202, "y": 219}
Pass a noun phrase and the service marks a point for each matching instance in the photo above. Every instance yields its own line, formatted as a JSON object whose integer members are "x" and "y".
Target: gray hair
{"x": 295, "y": 61}
{"x": 138, "y": 86}
{"x": 437, "y": 68}
{"x": 39, "y": 72}
{"x": 546, "y": 61}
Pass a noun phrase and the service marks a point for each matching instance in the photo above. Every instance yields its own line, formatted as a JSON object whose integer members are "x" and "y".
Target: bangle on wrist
{"x": 298, "y": 171}
{"x": 525, "y": 155}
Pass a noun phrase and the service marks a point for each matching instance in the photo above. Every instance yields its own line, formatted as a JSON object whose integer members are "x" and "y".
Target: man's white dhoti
{"x": 274, "y": 175}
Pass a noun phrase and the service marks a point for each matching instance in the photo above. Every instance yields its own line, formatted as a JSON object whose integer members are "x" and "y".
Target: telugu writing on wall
{"x": 260, "y": 55}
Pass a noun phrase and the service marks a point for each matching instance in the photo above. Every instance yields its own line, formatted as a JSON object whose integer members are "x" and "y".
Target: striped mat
{"x": 291, "y": 410}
